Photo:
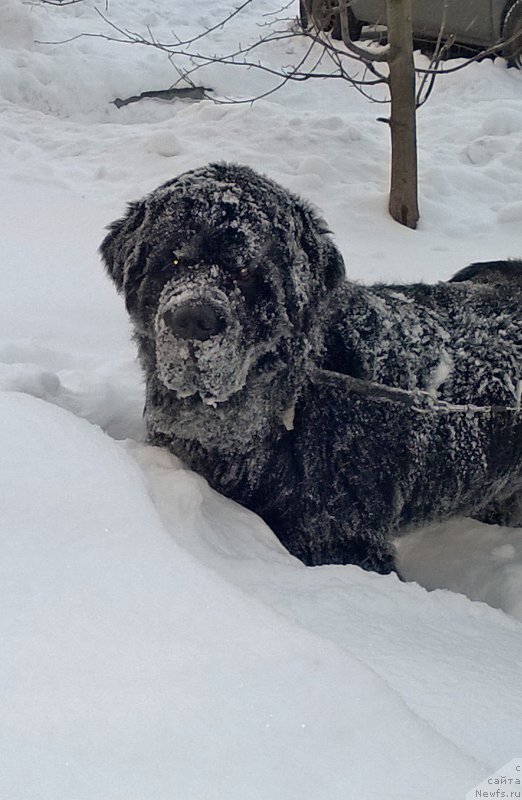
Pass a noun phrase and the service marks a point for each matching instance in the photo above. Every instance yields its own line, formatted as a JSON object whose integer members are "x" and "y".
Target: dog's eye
{"x": 174, "y": 260}
{"x": 244, "y": 275}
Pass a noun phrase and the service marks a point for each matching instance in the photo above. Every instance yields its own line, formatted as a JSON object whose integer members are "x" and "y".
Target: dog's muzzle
{"x": 194, "y": 321}
{"x": 200, "y": 347}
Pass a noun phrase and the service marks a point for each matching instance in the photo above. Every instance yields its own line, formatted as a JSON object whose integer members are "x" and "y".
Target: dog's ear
{"x": 334, "y": 272}
{"x": 121, "y": 246}
{"x": 323, "y": 256}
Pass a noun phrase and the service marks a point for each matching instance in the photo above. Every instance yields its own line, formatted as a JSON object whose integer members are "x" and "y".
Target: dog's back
{"x": 491, "y": 272}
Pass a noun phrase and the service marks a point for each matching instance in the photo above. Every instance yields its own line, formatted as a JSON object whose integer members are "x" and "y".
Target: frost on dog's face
{"x": 221, "y": 309}
{"x": 223, "y": 273}
{"x": 205, "y": 329}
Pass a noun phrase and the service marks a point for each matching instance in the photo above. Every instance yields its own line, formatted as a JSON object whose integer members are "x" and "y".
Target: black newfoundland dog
{"x": 342, "y": 414}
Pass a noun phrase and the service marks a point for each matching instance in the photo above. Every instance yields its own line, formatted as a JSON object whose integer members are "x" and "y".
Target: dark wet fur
{"x": 342, "y": 414}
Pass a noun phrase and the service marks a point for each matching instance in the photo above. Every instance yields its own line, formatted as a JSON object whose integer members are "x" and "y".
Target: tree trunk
{"x": 403, "y": 189}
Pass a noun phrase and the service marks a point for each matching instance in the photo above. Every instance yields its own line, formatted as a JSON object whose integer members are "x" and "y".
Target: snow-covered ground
{"x": 157, "y": 643}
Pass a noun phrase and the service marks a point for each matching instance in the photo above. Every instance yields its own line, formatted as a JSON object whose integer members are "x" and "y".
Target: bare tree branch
{"x": 322, "y": 57}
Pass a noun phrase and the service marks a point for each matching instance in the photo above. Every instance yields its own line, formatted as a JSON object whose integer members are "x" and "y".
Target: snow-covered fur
{"x": 341, "y": 413}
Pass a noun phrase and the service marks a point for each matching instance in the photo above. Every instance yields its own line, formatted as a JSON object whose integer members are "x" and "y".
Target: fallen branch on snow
{"x": 186, "y": 93}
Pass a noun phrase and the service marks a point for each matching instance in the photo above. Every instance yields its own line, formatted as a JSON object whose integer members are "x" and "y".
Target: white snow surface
{"x": 157, "y": 642}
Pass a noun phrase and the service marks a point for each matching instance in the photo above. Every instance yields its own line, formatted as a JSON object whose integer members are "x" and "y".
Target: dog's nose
{"x": 198, "y": 321}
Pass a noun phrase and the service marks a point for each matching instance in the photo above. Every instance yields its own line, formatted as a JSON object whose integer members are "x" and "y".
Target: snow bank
{"x": 148, "y": 675}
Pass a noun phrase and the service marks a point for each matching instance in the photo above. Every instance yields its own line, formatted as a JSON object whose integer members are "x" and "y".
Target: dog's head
{"x": 224, "y": 274}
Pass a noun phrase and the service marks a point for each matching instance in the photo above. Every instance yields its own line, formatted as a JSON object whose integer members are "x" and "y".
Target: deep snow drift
{"x": 157, "y": 641}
